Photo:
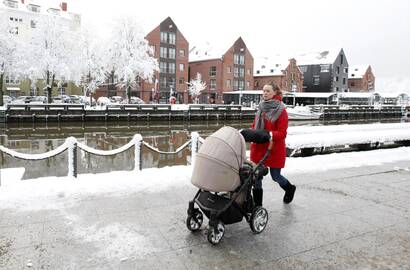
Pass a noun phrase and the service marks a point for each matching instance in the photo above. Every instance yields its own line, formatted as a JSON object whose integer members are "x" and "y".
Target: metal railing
{"x": 72, "y": 144}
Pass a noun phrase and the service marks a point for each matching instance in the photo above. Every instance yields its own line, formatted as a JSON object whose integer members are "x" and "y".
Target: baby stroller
{"x": 225, "y": 181}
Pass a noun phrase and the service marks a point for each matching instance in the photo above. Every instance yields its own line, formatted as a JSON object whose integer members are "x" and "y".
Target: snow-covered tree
{"x": 50, "y": 53}
{"x": 8, "y": 49}
{"x": 130, "y": 55}
{"x": 92, "y": 64}
{"x": 196, "y": 86}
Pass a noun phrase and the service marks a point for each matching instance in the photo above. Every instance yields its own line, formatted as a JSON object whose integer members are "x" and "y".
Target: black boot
{"x": 257, "y": 196}
{"x": 289, "y": 192}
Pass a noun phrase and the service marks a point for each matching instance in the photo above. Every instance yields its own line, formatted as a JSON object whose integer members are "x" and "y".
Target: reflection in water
{"x": 166, "y": 136}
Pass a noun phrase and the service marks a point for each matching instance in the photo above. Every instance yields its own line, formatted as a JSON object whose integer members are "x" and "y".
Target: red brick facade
{"x": 231, "y": 71}
{"x": 162, "y": 39}
{"x": 290, "y": 80}
{"x": 362, "y": 84}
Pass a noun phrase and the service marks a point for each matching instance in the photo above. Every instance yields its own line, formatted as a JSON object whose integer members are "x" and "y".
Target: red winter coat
{"x": 278, "y": 130}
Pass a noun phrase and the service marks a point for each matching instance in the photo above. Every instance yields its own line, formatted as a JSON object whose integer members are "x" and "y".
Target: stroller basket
{"x": 208, "y": 202}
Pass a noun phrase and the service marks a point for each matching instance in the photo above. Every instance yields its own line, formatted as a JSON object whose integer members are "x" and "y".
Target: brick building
{"x": 222, "y": 72}
{"x": 361, "y": 79}
{"x": 172, "y": 51}
{"x": 284, "y": 73}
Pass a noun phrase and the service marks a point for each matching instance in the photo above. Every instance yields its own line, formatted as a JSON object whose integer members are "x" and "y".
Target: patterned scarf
{"x": 270, "y": 109}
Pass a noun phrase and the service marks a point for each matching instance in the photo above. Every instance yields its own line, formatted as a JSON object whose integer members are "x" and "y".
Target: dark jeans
{"x": 276, "y": 176}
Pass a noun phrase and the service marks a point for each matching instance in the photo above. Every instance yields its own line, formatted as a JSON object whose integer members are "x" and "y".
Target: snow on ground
{"x": 62, "y": 192}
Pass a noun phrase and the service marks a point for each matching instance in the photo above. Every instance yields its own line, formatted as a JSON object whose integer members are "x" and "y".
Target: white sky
{"x": 371, "y": 32}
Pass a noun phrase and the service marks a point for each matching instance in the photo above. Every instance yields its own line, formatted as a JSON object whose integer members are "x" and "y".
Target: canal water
{"x": 166, "y": 136}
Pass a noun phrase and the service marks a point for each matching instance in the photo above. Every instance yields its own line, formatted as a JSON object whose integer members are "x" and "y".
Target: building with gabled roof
{"x": 222, "y": 71}
{"x": 324, "y": 71}
{"x": 361, "y": 78}
{"x": 283, "y": 72}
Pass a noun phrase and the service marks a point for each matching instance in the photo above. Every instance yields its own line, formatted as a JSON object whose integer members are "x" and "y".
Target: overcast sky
{"x": 375, "y": 32}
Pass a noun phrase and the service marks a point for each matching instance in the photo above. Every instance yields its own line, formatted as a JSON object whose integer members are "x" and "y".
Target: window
{"x": 212, "y": 71}
{"x": 336, "y": 78}
{"x": 341, "y": 59}
{"x": 171, "y": 37}
{"x": 228, "y": 83}
{"x": 324, "y": 68}
{"x": 164, "y": 38}
{"x": 346, "y": 70}
{"x": 182, "y": 52}
{"x": 212, "y": 84}
{"x": 248, "y": 71}
{"x": 303, "y": 68}
{"x": 171, "y": 68}
{"x": 11, "y": 4}
{"x": 171, "y": 82}
{"x": 248, "y": 84}
{"x": 337, "y": 89}
{"x": 236, "y": 59}
{"x": 163, "y": 52}
{"x": 33, "y": 8}
{"x": 171, "y": 53}
{"x": 241, "y": 85}
{"x": 236, "y": 72}
{"x": 344, "y": 81}
{"x": 235, "y": 84}
{"x": 181, "y": 80}
{"x": 181, "y": 67}
{"x": 12, "y": 79}
{"x": 241, "y": 72}
{"x": 228, "y": 70}
{"x": 163, "y": 82}
{"x": 352, "y": 84}
{"x": 241, "y": 59}
{"x": 337, "y": 70}
{"x": 316, "y": 80}
{"x": 163, "y": 67}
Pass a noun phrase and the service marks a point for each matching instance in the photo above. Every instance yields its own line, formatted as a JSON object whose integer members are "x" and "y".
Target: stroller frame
{"x": 256, "y": 216}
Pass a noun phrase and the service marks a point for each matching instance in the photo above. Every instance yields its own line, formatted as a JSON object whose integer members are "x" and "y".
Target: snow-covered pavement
{"x": 351, "y": 211}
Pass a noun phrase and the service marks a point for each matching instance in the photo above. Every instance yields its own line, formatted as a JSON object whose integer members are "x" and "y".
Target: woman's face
{"x": 268, "y": 92}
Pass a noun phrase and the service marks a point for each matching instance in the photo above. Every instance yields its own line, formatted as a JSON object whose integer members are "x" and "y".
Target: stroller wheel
{"x": 215, "y": 234}
{"x": 259, "y": 219}
{"x": 194, "y": 222}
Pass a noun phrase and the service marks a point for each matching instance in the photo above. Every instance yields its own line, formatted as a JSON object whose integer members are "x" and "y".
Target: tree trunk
{"x": 48, "y": 87}
{"x": 128, "y": 93}
{"x": 1, "y": 89}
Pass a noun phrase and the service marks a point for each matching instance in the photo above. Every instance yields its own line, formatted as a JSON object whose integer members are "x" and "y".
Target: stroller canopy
{"x": 219, "y": 160}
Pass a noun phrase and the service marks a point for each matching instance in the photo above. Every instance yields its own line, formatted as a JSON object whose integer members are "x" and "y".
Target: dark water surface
{"x": 166, "y": 136}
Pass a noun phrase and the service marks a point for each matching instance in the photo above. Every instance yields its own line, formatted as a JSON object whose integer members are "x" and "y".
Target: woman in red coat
{"x": 272, "y": 116}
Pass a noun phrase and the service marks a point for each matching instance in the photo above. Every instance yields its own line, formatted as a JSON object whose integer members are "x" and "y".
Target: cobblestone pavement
{"x": 343, "y": 219}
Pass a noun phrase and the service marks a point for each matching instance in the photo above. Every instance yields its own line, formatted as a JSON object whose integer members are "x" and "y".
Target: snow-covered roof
{"x": 310, "y": 94}
{"x": 317, "y": 57}
{"x": 205, "y": 52}
{"x": 269, "y": 66}
{"x": 45, "y": 6}
{"x": 358, "y": 71}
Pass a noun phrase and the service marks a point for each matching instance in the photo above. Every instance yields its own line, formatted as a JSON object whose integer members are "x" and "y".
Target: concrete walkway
{"x": 345, "y": 219}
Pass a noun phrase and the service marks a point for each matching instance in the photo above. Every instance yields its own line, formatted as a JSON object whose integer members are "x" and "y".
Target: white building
{"x": 23, "y": 16}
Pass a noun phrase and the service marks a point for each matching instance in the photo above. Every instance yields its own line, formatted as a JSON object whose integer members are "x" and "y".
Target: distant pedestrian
{"x": 272, "y": 116}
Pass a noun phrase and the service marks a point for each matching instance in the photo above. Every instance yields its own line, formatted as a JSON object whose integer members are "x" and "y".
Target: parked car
{"x": 116, "y": 99}
{"x": 103, "y": 101}
{"x": 75, "y": 99}
{"x": 22, "y": 100}
{"x": 86, "y": 100}
{"x": 38, "y": 100}
{"x": 136, "y": 100}
{"x": 7, "y": 99}
{"x": 61, "y": 99}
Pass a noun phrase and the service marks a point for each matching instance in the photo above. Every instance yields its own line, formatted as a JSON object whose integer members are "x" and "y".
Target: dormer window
{"x": 272, "y": 70}
{"x": 54, "y": 11}
{"x": 34, "y": 8}
{"x": 11, "y": 3}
